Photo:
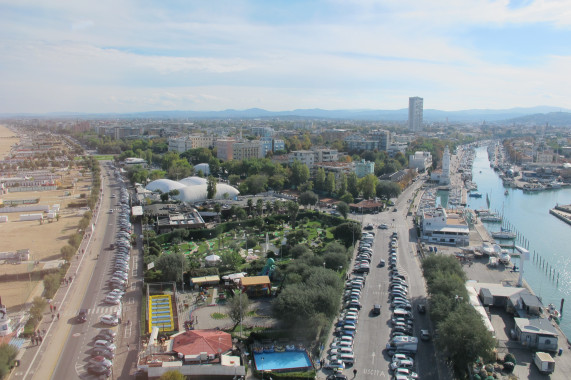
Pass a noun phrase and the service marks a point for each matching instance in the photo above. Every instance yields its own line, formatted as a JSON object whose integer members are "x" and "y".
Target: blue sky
{"x": 137, "y": 55}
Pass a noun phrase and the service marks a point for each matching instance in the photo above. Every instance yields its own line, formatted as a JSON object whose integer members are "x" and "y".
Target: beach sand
{"x": 44, "y": 240}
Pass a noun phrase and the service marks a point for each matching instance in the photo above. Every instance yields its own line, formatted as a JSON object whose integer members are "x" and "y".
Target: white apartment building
{"x": 420, "y": 161}
{"x": 440, "y": 227}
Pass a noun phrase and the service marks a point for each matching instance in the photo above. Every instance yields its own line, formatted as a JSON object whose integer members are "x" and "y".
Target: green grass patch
{"x": 218, "y": 315}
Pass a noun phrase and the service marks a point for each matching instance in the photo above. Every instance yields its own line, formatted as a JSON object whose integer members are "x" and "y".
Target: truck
{"x": 544, "y": 362}
{"x": 402, "y": 344}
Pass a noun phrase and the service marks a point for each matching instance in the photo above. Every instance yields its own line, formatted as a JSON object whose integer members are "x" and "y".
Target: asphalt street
{"x": 373, "y": 331}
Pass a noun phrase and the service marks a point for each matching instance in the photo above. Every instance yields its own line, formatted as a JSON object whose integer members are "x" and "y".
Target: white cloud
{"x": 341, "y": 54}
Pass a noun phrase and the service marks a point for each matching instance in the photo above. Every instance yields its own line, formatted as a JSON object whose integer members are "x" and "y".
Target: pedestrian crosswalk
{"x": 99, "y": 310}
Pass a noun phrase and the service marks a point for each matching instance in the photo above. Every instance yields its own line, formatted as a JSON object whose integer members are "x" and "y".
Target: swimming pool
{"x": 283, "y": 361}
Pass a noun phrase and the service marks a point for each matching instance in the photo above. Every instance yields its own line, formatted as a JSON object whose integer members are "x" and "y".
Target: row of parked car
{"x": 103, "y": 351}
{"x": 402, "y": 321}
{"x": 341, "y": 349}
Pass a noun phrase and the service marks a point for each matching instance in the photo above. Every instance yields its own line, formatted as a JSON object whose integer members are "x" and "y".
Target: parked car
{"x": 101, "y": 360}
{"x": 99, "y": 370}
{"x": 105, "y": 344}
{"x": 421, "y": 308}
{"x": 100, "y": 351}
{"x": 109, "y": 320}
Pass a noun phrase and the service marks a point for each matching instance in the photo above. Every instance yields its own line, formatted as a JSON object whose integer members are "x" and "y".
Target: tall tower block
{"x": 415, "y": 109}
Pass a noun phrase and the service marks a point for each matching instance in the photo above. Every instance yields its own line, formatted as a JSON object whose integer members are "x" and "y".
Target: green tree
{"x": 51, "y": 284}
{"x": 256, "y": 183}
{"x": 368, "y": 185}
{"x": 211, "y": 187}
{"x": 233, "y": 179}
{"x": 37, "y": 309}
{"x": 348, "y": 233}
{"x": 352, "y": 184}
{"x": 172, "y": 266}
{"x": 67, "y": 252}
{"x": 465, "y": 339}
{"x": 238, "y": 307}
{"x": 342, "y": 184}
{"x": 231, "y": 260}
{"x": 343, "y": 209}
{"x": 172, "y": 374}
{"x": 388, "y": 189}
{"x": 179, "y": 168}
{"x": 299, "y": 173}
{"x": 293, "y": 209}
{"x": 7, "y": 355}
{"x": 347, "y": 198}
{"x": 330, "y": 183}
{"x": 320, "y": 179}
{"x": 307, "y": 198}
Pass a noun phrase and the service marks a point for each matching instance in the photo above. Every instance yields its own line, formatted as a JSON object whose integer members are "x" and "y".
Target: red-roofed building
{"x": 193, "y": 343}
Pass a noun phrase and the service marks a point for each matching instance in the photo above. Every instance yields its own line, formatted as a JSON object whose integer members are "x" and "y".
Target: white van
{"x": 347, "y": 358}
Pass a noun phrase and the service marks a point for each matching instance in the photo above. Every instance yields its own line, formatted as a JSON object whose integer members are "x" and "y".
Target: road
{"x": 373, "y": 331}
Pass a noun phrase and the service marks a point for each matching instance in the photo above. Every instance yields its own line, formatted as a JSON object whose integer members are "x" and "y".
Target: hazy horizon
{"x": 132, "y": 56}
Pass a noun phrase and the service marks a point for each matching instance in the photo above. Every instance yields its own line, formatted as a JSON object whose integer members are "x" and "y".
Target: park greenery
{"x": 462, "y": 335}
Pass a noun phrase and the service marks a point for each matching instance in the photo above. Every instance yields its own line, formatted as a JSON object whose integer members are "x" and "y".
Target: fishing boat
{"x": 504, "y": 234}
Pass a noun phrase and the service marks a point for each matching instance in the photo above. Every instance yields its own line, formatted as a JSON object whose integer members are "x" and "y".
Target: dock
{"x": 564, "y": 216}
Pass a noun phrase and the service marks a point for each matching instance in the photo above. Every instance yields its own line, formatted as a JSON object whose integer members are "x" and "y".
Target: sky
{"x": 117, "y": 56}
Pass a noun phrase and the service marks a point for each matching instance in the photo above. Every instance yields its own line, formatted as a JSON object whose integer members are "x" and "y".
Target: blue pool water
{"x": 282, "y": 360}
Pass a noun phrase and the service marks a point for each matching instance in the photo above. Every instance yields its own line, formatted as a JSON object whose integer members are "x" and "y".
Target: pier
{"x": 560, "y": 213}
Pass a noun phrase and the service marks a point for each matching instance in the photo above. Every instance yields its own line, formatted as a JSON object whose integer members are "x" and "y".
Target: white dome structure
{"x": 205, "y": 168}
{"x": 192, "y": 189}
{"x": 191, "y": 181}
{"x": 164, "y": 185}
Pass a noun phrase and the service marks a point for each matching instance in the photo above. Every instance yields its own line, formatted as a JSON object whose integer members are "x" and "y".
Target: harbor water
{"x": 547, "y": 238}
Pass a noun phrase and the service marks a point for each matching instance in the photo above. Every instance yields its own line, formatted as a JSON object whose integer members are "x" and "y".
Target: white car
{"x": 113, "y": 300}
{"x": 109, "y": 320}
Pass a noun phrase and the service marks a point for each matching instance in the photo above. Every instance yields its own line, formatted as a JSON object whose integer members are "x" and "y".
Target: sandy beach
{"x": 44, "y": 240}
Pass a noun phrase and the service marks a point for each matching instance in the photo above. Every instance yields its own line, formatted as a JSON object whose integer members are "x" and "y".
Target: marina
{"x": 527, "y": 214}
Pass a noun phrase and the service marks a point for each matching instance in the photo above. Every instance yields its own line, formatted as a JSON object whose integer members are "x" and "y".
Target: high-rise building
{"x": 415, "y": 105}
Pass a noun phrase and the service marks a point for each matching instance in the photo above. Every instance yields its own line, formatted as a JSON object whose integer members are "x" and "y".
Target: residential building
{"x": 364, "y": 168}
{"x": 269, "y": 144}
{"x": 415, "y": 109}
{"x": 383, "y": 137}
{"x": 263, "y": 131}
{"x": 248, "y": 149}
{"x": 420, "y": 161}
{"x": 224, "y": 149}
{"x": 310, "y": 157}
{"x": 304, "y": 156}
{"x": 182, "y": 144}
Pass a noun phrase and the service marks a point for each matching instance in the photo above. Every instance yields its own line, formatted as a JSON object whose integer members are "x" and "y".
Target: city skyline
{"x": 135, "y": 57}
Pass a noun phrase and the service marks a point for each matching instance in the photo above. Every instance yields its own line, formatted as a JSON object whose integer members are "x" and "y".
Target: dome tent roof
{"x": 164, "y": 185}
{"x": 192, "y": 189}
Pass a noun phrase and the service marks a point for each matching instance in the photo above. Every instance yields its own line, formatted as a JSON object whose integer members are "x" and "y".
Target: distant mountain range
{"x": 537, "y": 115}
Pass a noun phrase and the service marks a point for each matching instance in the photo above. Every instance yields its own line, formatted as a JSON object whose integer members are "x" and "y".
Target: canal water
{"x": 546, "y": 237}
